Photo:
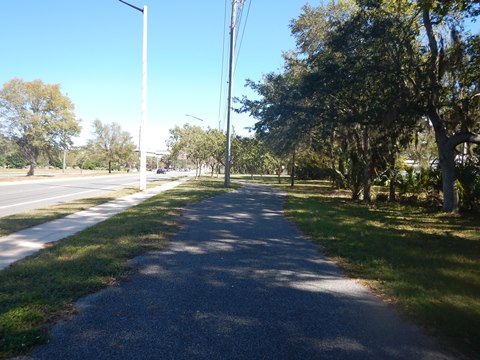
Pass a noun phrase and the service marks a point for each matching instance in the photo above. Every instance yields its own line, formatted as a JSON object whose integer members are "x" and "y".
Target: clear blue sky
{"x": 93, "y": 49}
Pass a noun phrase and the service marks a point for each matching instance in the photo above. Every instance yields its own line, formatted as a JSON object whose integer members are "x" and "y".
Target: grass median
{"x": 43, "y": 288}
{"x": 426, "y": 263}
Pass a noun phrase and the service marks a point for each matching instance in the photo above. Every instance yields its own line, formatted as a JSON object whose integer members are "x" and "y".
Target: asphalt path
{"x": 239, "y": 281}
{"x": 21, "y": 196}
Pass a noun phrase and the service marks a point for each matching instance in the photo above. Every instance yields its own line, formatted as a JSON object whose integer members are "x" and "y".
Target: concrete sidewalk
{"x": 18, "y": 245}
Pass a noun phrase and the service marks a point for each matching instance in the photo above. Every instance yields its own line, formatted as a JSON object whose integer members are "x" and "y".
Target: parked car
{"x": 161, "y": 171}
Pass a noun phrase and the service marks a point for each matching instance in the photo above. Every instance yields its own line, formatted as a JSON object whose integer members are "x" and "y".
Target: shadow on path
{"x": 239, "y": 282}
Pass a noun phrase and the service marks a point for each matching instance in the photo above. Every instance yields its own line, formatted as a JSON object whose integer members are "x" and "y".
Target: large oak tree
{"x": 38, "y": 118}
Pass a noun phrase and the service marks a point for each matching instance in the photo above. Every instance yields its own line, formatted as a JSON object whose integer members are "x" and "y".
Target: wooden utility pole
{"x": 230, "y": 93}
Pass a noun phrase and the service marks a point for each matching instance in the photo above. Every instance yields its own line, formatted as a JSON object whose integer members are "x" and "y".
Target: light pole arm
{"x": 194, "y": 117}
{"x": 132, "y": 6}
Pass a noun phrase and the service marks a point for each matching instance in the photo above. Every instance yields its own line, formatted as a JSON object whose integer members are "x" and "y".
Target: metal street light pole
{"x": 143, "y": 124}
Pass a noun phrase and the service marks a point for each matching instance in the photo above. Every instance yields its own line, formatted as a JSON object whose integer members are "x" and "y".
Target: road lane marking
{"x": 46, "y": 199}
{"x": 66, "y": 195}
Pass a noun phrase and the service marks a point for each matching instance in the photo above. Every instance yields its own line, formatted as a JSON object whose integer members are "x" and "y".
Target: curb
{"x": 26, "y": 242}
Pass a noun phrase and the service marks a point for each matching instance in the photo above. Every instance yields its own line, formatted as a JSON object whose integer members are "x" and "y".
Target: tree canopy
{"x": 38, "y": 118}
{"x": 364, "y": 79}
{"x": 112, "y": 144}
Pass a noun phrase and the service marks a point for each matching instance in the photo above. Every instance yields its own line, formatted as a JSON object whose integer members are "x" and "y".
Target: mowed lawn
{"x": 426, "y": 263}
{"x": 43, "y": 288}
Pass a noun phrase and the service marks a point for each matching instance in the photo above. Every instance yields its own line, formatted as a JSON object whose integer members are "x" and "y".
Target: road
{"x": 23, "y": 196}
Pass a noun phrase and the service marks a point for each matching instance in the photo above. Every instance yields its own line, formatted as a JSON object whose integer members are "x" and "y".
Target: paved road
{"x": 239, "y": 282}
{"x": 23, "y": 196}
{"x": 26, "y": 242}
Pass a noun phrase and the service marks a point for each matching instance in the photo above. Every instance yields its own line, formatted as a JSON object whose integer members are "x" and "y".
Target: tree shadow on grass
{"x": 427, "y": 263}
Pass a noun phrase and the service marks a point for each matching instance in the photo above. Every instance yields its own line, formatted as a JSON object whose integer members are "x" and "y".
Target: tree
{"x": 451, "y": 84}
{"x": 358, "y": 65}
{"x": 193, "y": 142}
{"x": 215, "y": 143}
{"x": 364, "y": 78}
{"x": 38, "y": 117}
{"x": 249, "y": 156}
{"x": 112, "y": 144}
{"x": 84, "y": 157}
{"x": 284, "y": 122}
{"x": 372, "y": 54}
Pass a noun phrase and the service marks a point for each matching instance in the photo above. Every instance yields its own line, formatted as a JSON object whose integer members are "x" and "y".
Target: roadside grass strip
{"x": 24, "y": 220}
{"x": 426, "y": 263}
{"x": 42, "y": 288}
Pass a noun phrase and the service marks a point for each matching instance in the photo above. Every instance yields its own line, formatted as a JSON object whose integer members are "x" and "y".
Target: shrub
{"x": 382, "y": 197}
{"x": 16, "y": 161}
{"x": 310, "y": 167}
{"x": 468, "y": 183}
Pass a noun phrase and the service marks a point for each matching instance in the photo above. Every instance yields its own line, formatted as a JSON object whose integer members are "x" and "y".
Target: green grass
{"x": 264, "y": 179}
{"x": 426, "y": 263}
{"x": 20, "y": 221}
{"x": 42, "y": 288}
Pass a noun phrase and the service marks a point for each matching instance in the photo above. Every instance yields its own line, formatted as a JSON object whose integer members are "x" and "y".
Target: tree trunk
{"x": 392, "y": 177}
{"x": 197, "y": 169}
{"x": 367, "y": 165}
{"x": 64, "y": 162}
{"x": 109, "y": 166}
{"x": 292, "y": 176}
{"x": 355, "y": 179}
{"x": 449, "y": 188}
{"x": 31, "y": 170}
{"x": 279, "y": 173}
{"x": 446, "y": 152}
{"x": 341, "y": 171}
{"x": 356, "y": 191}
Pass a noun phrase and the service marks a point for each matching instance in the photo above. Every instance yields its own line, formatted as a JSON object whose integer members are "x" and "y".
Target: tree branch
{"x": 460, "y": 138}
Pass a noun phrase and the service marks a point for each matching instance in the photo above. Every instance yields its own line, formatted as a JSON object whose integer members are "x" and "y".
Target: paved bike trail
{"x": 239, "y": 281}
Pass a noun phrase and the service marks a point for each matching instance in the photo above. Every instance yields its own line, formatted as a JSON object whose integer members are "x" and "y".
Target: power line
{"x": 222, "y": 70}
{"x": 238, "y": 20}
{"x": 243, "y": 32}
{"x": 237, "y": 27}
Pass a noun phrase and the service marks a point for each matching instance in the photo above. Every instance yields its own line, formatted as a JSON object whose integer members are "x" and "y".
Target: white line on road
{"x": 46, "y": 199}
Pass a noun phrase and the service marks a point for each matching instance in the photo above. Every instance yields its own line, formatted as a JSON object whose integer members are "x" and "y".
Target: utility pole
{"x": 230, "y": 92}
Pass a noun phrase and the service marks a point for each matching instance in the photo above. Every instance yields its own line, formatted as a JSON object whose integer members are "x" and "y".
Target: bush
{"x": 382, "y": 197}
{"x": 468, "y": 183}
{"x": 409, "y": 182}
{"x": 15, "y": 161}
{"x": 417, "y": 182}
{"x": 56, "y": 163}
{"x": 310, "y": 167}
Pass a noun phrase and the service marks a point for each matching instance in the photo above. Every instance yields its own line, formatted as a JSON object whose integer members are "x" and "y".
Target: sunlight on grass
{"x": 43, "y": 287}
{"x": 426, "y": 263}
